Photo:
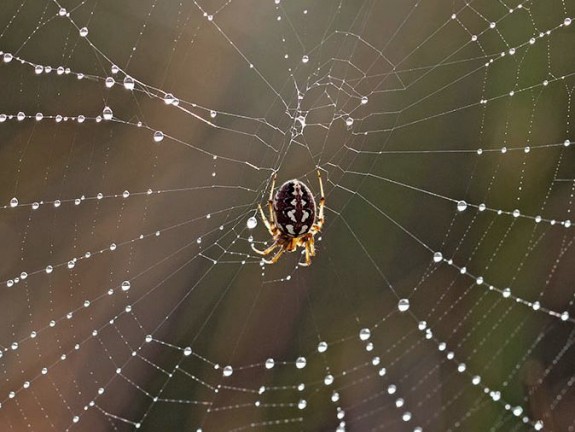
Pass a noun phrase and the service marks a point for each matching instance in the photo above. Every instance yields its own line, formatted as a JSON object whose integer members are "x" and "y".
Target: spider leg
{"x": 265, "y": 220}
{"x": 267, "y": 251}
{"x": 276, "y": 256}
{"x": 308, "y": 254}
{"x": 271, "y": 200}
{"x": 320, "y": 217}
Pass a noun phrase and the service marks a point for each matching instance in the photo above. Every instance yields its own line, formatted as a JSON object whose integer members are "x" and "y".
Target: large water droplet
{"x": 403, "y": 305}
{"x": 14, "y": 202}
{"x": 84, "y": 31}
{"x": 300, "y": 362}
{"x": 437, "y": 257}
{"x": 126, "y": 285}
{"x": 322, "y": 347}
{"x": 129, "y": 83}
{"x": 270, "y": 363}
{"x": 158, "y": 136}
{"x": 252, "y": 222}
{"x": 228, "y": 371}
{"x": 364, "y": 334}
{"x": 461, "y": 205}
{"x": 107, "y": 113}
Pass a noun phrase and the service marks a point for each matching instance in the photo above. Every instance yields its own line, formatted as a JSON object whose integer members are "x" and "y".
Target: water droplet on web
{"x": 301, "y": 362}
{"x": 506, "y": 292}
{"x": 21, "y": 116}
{"x": 305, "y": 59}
{"x": 14, "y": 346}
{"x": 364, "y": 334}
{"x": 168, "y": 98}
{"x": 461, "y": 205}
{"x": 403, "y": 305}
{"x": 213, "y": 114}
{"x": 567, "y": 22}
{"x": 125, "y": 194}
{"x": 565, "y": 316}
{"x": 270, "y": 363}
{"x": 302, "y": 404}
{"x": 126, "y": 285}
{"x": 110, "y": 82}
{"x": 107, "y": 113}
{"x": 349, "y": 122}
{"x": 84, "y": 31}
{"x": 158, "y": 136}
{"x": 115, "y": 69}
{"x": 437, "y": 257}
{"x": 129, "y": 83}
{"x": 228, "y": 371}
{"x": 322, "y": 347}
{"x": 14, "y": 202}
{"x": 566, "y": 143}
{"x": 252, "y": 222}
{"x": 38, "y": 69}
{"x": 62, "y": 12}
{"x": 49, "y": 269}
{"x": 334, "y": 396}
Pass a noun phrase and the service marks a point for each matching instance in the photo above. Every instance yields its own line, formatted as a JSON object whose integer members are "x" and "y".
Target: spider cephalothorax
{"x": 292, "y": 220}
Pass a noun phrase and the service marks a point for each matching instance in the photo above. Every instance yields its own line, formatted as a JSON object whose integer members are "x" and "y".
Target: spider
{"x": 292, "y": 219}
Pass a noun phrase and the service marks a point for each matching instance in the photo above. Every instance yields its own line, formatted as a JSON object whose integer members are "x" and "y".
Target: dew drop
{"x": 270, "y": 363}
{"x": 129, "y": 83}
{"x": 349, "y": 122}
{"x": 567, "y": 22}
{"x": 302, "y": 404}
{"x": 364, "y": 334}
{"x": 403, "y": 305}
{"x": 364, "y": 100}
{"x": 252, "y": 222}
{"x": 107, "y": 113}
{"x": 506, "y": 292}
{"x": 461, "y": 205}
{"x": 49, "y": 269}
{"x": 84, "y": 31}
{"x": 62, "y": 12}
{"x": 126, "y": 285}
{"x": 110, "y": 82}
{"x": 187, "y": 351}
{"x": 213, "y": 114}
{"x": 301, "y": 362}
{"x": 158, "y": 136}
{"x": 305, "y": 59}
{"x": 322, "y": 347}
{"x": 38, "y": 69}
{"x": 437, "y": 257}
{"x": 7, "y": 57}
{"x": 228, "y": 371}
{"x": 14, "y": 202}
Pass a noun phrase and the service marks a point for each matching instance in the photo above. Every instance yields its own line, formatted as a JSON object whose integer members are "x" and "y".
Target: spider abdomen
{"x": 294, "y": 208}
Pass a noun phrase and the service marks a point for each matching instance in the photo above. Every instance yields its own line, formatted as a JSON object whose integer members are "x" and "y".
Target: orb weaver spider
{"x": 292, "y": 219}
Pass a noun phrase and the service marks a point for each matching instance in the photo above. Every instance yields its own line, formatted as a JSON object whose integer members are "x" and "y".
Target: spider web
{"x": 138, "y": 138}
